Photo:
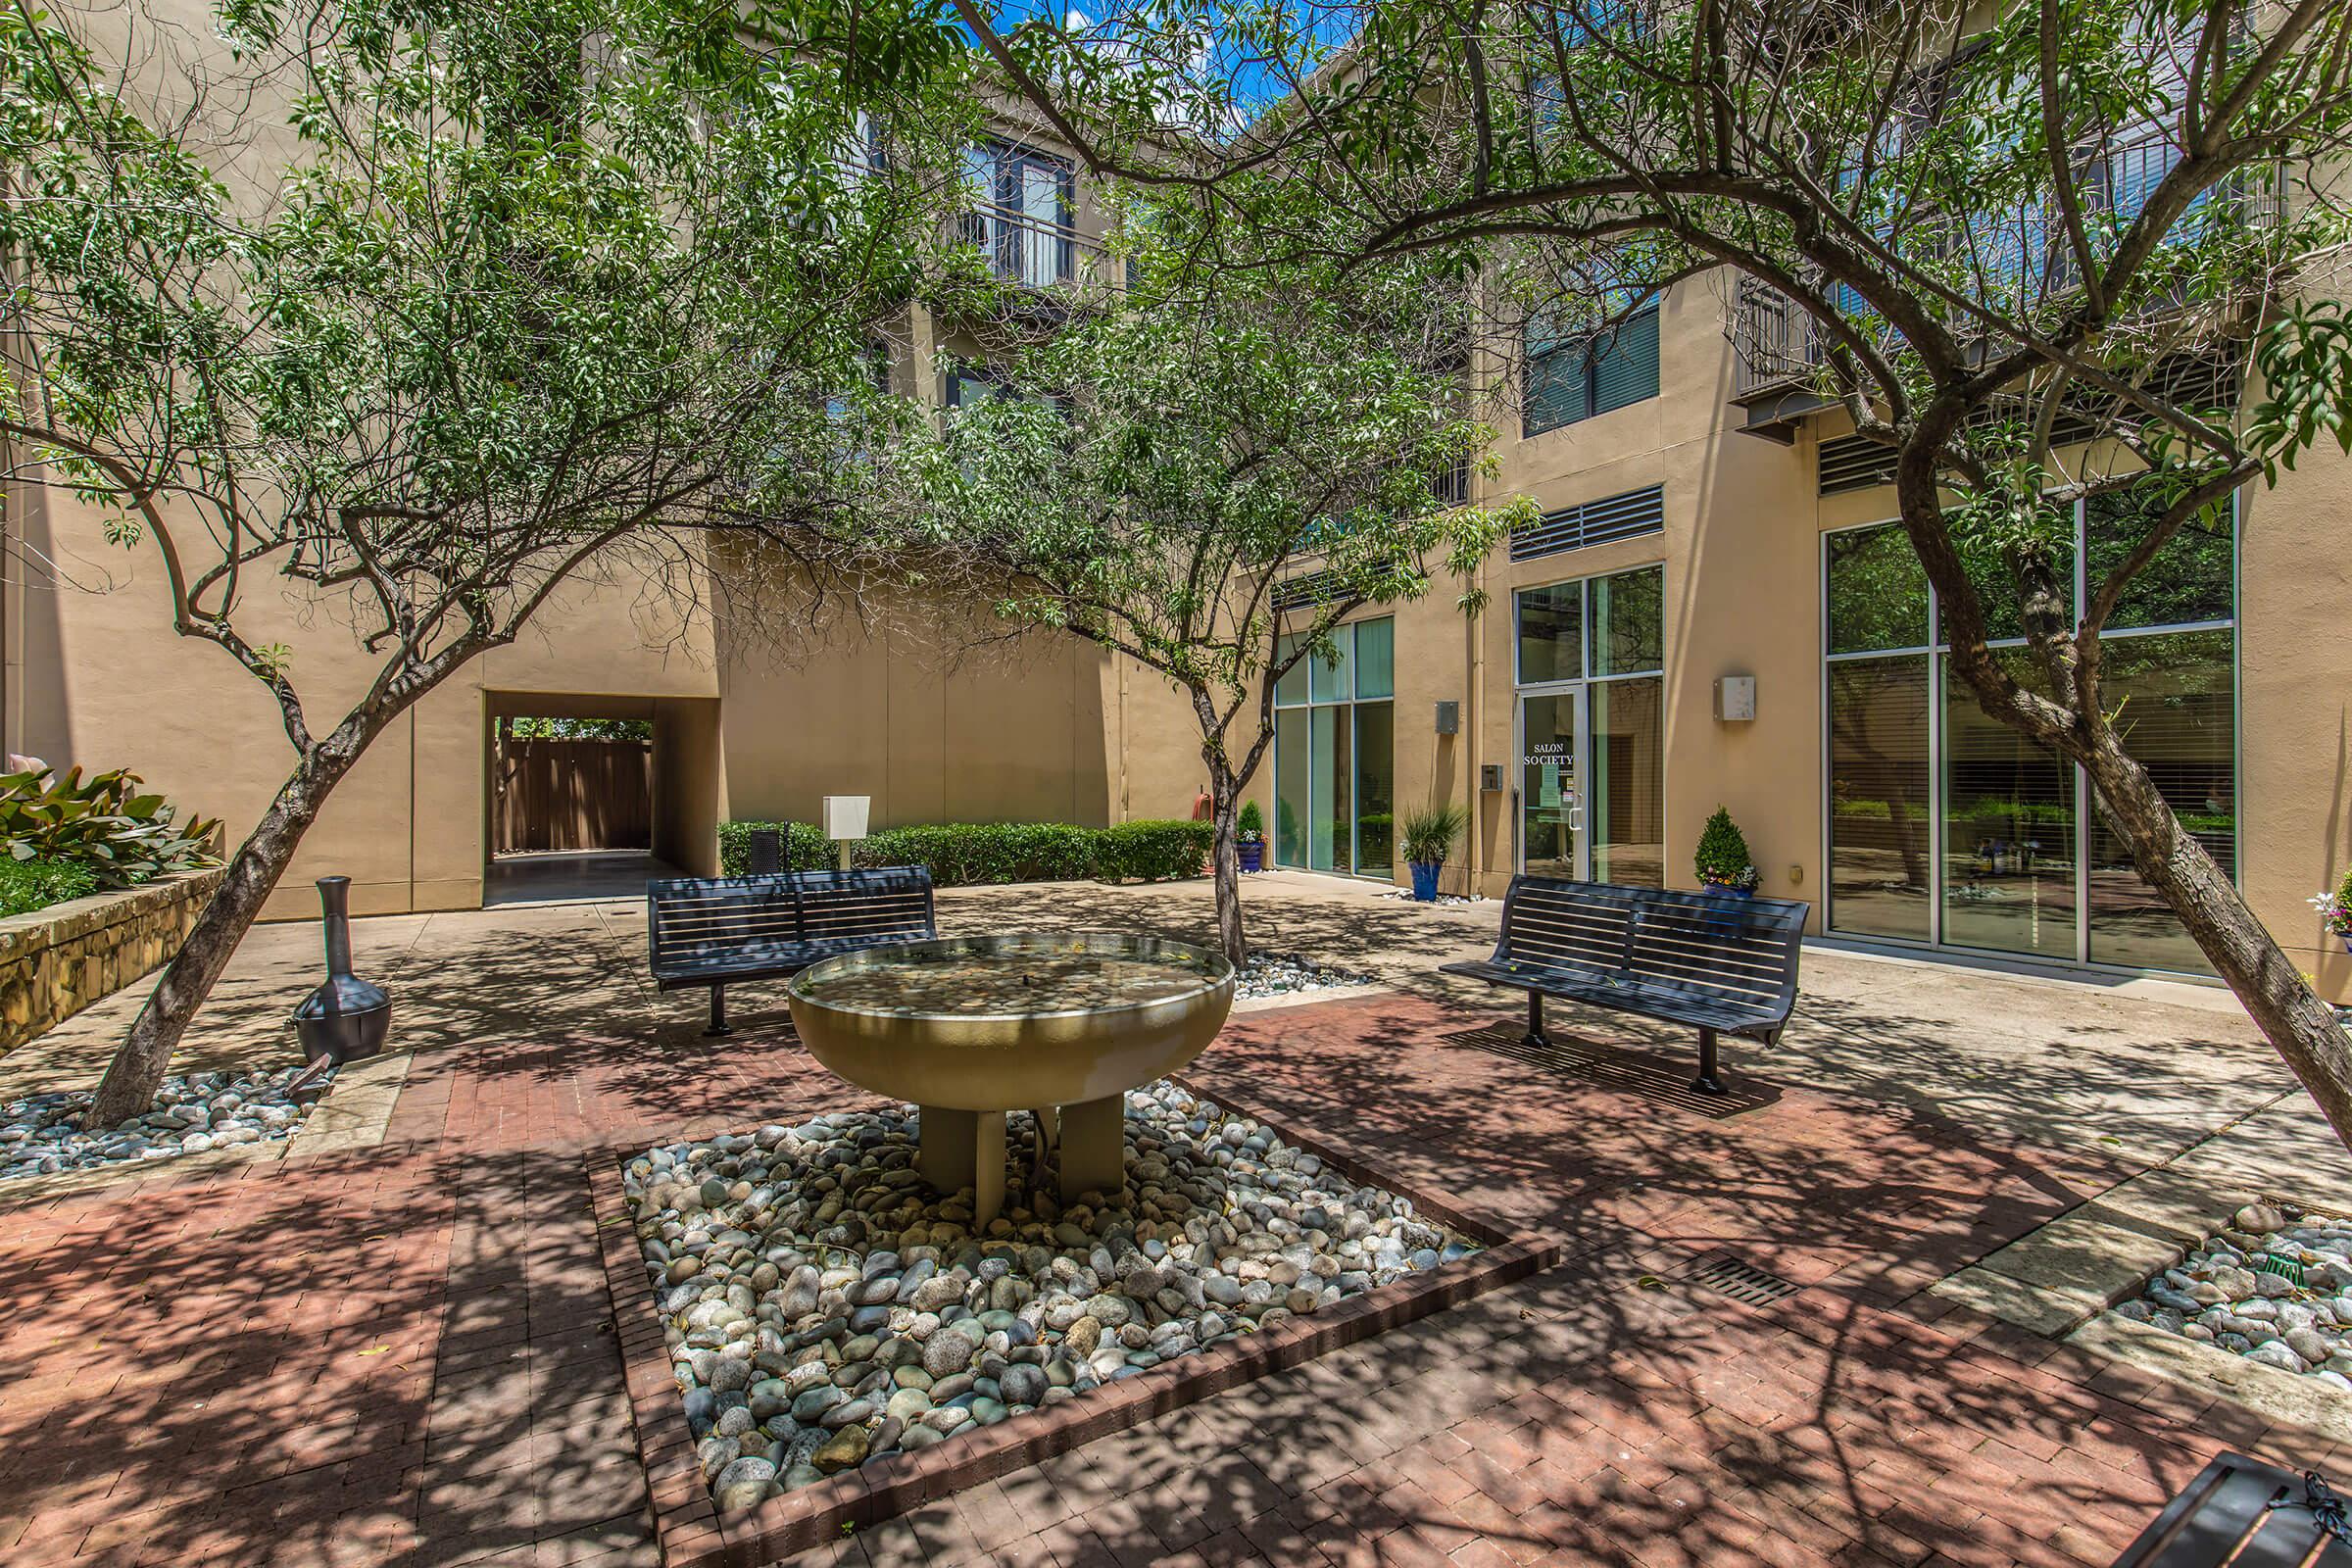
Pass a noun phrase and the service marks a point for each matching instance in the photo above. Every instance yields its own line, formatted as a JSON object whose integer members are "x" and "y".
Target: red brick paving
{"x": 407, "y": 1356}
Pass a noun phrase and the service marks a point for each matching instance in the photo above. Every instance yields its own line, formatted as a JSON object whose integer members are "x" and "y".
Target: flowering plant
{"x": 2335, "y": 909}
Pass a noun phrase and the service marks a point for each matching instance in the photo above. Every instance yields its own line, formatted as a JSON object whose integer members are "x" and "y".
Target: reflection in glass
{"x": 1997, "y": 588}
{"x": 1334, "y": 776}
{"x": 1879, "y": 806}
{"x": 1626, "y": 782}
{"x": 1375, "y": 658}
{"x": 1627, "y": 635}
{"x": 2175, "y": 711}
{"x": 1289, "y": 787}
{"x": 2009, "y": 832}
{"x": 1547, "y": 784}
{"x": 1877, "y": 591}
{"x": 1375, "y": 788}
{"x": 1552, "y": 633}
{"x": 2188, "y": 581}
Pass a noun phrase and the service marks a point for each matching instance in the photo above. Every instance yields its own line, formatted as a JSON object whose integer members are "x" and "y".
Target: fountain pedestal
{"x": 973, "y": 1027}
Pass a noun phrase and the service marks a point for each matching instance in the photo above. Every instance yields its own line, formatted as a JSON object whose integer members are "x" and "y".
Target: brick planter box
{"x": 693, "y": 1533}
{"x": 56, "y": 962}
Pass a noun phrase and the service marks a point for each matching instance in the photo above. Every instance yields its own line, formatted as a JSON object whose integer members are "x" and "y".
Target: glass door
{"x": 1551, "y": 801}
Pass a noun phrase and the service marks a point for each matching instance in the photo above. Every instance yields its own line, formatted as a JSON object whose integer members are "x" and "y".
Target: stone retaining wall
{"x": 56, "y": 962}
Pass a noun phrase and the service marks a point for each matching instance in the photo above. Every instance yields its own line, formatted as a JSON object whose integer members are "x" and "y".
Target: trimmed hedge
{"x": 964, "y": 854}
{"x": 29, "y": 885}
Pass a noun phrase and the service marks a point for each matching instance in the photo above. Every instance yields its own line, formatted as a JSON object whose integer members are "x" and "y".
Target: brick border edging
{"x": 691, "y": 1533}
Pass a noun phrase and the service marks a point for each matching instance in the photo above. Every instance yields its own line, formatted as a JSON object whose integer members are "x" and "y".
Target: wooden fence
{"x": 571, "y": 795}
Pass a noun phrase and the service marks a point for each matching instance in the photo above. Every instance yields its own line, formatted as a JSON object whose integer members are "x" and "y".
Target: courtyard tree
{"x": 1211, "y": 481}
{"x": 2044, "y": 253}
{"x": 513, "y": 293}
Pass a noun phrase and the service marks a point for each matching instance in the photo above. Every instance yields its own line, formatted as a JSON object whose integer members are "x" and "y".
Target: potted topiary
{"x": 1252, "y": 833}
{"x": 1428, "y": 838}
{"x": 1723, "y": 862}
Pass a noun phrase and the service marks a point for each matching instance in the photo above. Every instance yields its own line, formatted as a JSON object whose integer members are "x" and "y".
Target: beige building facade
{"x": 1704, "y": 547}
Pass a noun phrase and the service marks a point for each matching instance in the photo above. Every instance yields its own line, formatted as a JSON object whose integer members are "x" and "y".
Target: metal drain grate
{"x": 1727, "y": 1275}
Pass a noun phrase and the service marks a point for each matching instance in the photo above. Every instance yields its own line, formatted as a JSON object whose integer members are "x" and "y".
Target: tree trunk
{"x": 2300, "y": 1027}
{"x": 139, "y": 1066}
{"x": 1224, "y": 794}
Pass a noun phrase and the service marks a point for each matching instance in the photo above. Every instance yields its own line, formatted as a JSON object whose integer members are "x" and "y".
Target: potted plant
{"x": 1252, "y": 834}
{"x": 1428, "y": 838}
{"x": 1723, "y": 862}
{"x": 2336, "y": 910}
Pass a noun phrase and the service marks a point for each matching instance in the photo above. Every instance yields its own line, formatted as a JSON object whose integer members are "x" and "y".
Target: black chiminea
{"x": 347, "y": 1017}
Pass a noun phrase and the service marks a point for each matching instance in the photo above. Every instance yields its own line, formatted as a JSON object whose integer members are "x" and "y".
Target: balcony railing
{"x": 1038, "y": 253}
{"x": 1777, "y": 344}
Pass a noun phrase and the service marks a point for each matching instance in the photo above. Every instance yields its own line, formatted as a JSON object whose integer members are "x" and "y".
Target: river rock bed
{"x": 2275, "y": 1287}
{"x": 42, "y": 1134}
{"x": 823, "y": 1309}
{"x": 1283, "y": 974}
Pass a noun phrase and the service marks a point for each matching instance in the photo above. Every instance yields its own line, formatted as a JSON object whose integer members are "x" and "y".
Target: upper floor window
{"x": 1576, "y": 377}
{"x": 1022, "y": 210}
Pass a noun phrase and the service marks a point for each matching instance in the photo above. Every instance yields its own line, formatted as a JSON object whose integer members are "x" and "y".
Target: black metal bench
{"x": 716, "y": 931}
{"x": 2247, "y": 1514}
{"x": 1718, "y": 963}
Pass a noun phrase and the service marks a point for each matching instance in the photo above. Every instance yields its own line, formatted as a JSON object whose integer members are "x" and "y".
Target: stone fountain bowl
{"x": 964, "y": 1031}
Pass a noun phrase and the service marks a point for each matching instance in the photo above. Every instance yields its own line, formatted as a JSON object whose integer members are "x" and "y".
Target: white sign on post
{"x": 846, "y": 816}
{"x": 845, "y": 822}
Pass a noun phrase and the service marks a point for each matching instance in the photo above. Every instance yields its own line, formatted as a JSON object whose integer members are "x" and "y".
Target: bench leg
{"x": 1707, "y": 1083}
{"x": 718, "y": 1014}
{"x": 1535, "y": 1020}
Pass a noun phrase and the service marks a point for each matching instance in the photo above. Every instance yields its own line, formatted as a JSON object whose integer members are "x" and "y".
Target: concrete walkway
{"x": 402, "y": 1352}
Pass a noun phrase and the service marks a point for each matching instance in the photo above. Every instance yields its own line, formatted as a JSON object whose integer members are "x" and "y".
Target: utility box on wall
{"x": 1449, "y": 718}
{"x": 1736, "y": 698}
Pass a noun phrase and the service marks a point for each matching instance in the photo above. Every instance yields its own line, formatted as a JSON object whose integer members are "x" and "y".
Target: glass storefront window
{"x": 1877, "y": 591}
{"x": 1375, "y": 788}
{"x": 1628, "y": 610}
{"x": 2008, "y": 832}
{"x": 1292, "y": 687}
{"x": 1290, "y": 805}
{"x": 2026, "y": 864}
{"x": 2191, "y": 578}
{"x": 1552, "y": 633}
{"x": 1626, "y": 782}
{"x": 1375, "y": 658}
{"x": 1335, "y": 764}
{"x": 1332, "y": 680}
{"x": 1330, "y": 775}
{"x": 2173, "y": 704}
{"x": 1879, "y": 861}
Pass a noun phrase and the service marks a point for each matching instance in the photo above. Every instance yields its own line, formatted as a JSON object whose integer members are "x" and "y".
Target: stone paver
{"x": 403, "y": 1353}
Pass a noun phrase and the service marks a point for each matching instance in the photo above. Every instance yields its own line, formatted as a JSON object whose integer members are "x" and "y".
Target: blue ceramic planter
{"x": 1425, "y": 879}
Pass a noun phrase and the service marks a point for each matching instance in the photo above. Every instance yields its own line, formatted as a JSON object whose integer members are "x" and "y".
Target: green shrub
{"x": 122, "y": 836}
{"x": 1154, "y": 852}
{"x": 1251, "y": 823}
{"x": 969, "y": 854}
{"x": 29, "y": 885}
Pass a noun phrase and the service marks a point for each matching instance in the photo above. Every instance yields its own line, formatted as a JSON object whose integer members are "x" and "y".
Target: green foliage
{"x": 968, "y": 854}
{"x": 581, "y": 729}
{"x": 29, "y": 885}
{"x": 121, "y": 835}
{"x": 1427, "y": 834}
{"x": 1250, "y": 825}
{"x": 1723, "y": 858}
